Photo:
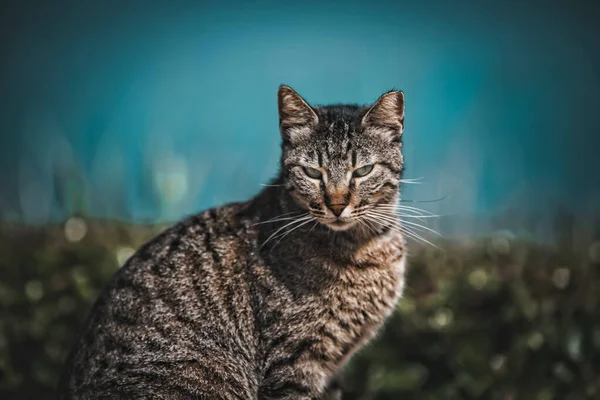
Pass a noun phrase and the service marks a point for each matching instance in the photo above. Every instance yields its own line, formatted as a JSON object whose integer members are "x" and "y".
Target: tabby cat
{"x": 266, "y": 299}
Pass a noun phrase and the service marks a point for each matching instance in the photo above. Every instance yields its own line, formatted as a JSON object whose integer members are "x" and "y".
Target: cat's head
{"x": 341, "y": 162}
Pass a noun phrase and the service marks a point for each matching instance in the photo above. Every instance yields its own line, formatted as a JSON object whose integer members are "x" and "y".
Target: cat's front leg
{"x": 332, "y": 392}
{"x": 289, "y": 380}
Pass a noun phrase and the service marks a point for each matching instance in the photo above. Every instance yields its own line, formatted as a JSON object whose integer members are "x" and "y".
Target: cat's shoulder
{"x": 213, "y": 221}
{"x": 207, "y": 231}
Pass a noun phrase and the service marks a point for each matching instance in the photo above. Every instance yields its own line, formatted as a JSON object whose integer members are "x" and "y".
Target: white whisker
{"x": 398, "y": 214}
{"x": 275, "y": 220}
{"x": 298, "y": 220}
{"x": 412, "y": 224}
{"x": 419, "y": 216}
{"x": 291, "y": 230}
{"x": 288, "y": 216}
{"x": 428, "y": 229}
{"x": 363, "y": 223}
{"x": 404, "y": 208}
{"x": 414, "y": 181}
{"x": 374, "y": 227}
{"x": 390, "y": 222}
{"x": 425, "y": 201}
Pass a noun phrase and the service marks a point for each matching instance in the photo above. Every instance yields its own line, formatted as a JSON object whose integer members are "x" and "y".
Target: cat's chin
{"x": 339, "y": 225}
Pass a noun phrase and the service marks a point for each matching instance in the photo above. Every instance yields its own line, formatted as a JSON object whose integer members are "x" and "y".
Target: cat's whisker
{"x": 405, "y": 210}
{"x": 364, "y": 222}
{"x": 426, "y": 228}
{"x": 362, "y": 225}
{"x": 422, "y": 227}
{"x": 381, "y": 221}
{"x": 413, "y": 181}
{"x": 419, "y": 216}
{"x": 419, "y": 212}
{"x": 313, "y": 227}
{"x": 291, "y": 230}
{"x": 400, "y": 217}
{"x": 269, "y": 185}
{"x": 397, "y": 214}
{"x": 297, "y": 220}
{"x": 402, "y": 213}
{"x": 413, "y": 232}
{"x": 415, "y": 210}
{"x": 282, "y": 217}
{"x": 378, "y": 221}
{"x": 387, "y": 221}
{"x": 416, "y": 236}
{"x": 365, "y": 228}
{"x": 414, "y": 224}
{"x": 425, "y": 201}
{"x": 271, "y": 221}
{"x": 419, "y": 238}
{"x": 291, "y": 213}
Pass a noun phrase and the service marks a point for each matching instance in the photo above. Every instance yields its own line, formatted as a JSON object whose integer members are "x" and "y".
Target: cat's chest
{"x": 372, "y": 283}
{"x": 343, "y": 310}
{"x": 359, "y": 305}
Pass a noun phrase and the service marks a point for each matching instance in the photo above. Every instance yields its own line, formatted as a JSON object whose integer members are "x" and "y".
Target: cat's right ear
{"x": 296, "y": 117}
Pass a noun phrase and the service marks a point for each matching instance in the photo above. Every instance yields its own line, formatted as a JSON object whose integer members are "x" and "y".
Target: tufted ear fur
{"x": 387, "y": 112}
{"x": 296, "y": 117}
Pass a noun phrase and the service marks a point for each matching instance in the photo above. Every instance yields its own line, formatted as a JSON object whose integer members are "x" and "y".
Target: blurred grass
{"x": 494, "y": 318}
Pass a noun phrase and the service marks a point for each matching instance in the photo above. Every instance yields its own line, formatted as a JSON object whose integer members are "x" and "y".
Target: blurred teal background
{"x": 148, "y": 111}
{"x": 119, "y": 117}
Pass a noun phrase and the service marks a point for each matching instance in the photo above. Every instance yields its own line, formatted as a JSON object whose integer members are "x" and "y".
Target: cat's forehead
{"x": 339, "y": 114}
{"x": 338, "y": 122}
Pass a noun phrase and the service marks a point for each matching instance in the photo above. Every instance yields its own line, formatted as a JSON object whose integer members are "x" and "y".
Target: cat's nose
{"x": 337, "y": 209}
{"x": 337, "y": 198}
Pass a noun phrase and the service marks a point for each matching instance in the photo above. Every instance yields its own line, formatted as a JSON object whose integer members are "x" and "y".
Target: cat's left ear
{"x": 387, "y": 113}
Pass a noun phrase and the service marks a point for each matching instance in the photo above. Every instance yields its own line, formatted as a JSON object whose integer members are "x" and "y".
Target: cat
{"x": 266, "y": 299}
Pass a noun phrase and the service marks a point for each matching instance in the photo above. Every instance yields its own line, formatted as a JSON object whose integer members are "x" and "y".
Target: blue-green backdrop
{"x": 153, "y": 110}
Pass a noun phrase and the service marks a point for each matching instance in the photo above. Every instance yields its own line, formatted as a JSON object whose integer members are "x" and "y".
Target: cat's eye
{"x": 363, "y": 171}
{"x": 313, "y": 172}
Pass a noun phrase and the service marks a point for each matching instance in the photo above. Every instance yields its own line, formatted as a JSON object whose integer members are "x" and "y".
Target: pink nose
{"x": 337, "y": 209}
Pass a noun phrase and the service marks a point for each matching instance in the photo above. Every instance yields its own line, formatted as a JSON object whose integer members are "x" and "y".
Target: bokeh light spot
{"x": 498, "y": 362}
{"x": 478, "y": 279}
{"x": 123, "y": 254}
{"x": 595, "y": 252}
{"x": 75, "y": 229}
{"x": 34, "y": 290}
{"x": 442, "y": 318}
{"x": 561, "y": 277}
{"x": 535, "y": 340}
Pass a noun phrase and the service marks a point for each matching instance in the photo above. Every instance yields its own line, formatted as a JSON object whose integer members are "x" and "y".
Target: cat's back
{"x": 170, "y": 310}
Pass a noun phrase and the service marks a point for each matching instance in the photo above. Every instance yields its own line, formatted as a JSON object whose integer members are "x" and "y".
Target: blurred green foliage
{"x": 495, "y": 318}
